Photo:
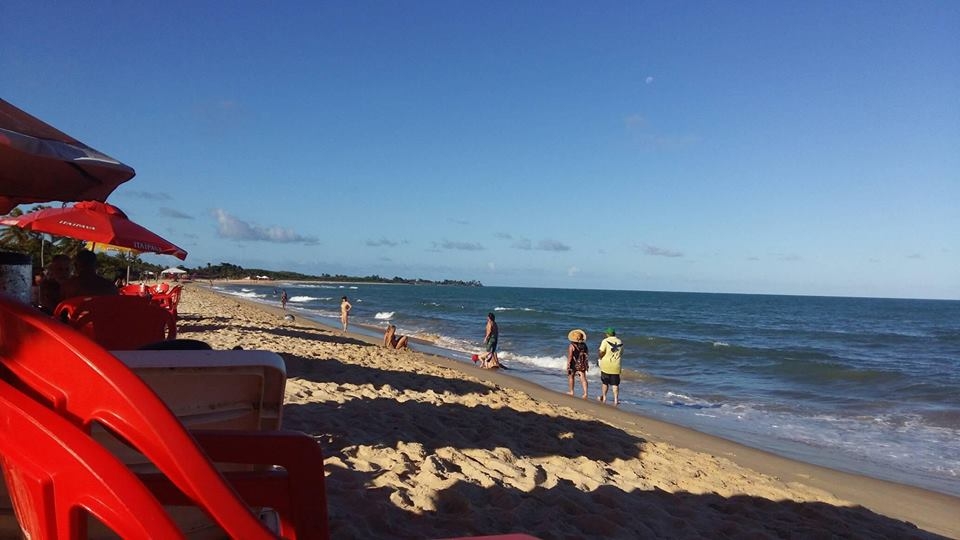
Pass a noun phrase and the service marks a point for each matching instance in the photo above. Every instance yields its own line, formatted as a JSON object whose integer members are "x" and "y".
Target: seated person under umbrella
{"x": 51, "y": 286}
{"x": 85, "y": 281}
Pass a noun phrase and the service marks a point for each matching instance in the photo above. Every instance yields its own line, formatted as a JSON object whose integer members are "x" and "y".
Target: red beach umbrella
{"x": 97, "y": 222}
{"x": 39, "y": 163}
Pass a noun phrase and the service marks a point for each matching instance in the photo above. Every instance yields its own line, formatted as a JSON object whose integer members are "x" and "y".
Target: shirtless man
{"x": 490, "y": 339}
{"x": 345, "y": 308}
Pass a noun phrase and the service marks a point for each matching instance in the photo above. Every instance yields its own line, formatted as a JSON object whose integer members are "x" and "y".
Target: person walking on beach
{"x": 490, "y": 339}
{"x": 345, "y": 308}
{"x": 577, "y": 359}
{"x": 611, "y": 349}
{"x": 283, "y": 299}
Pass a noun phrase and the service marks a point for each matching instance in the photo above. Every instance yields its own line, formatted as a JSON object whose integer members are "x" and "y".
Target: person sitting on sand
{"x": 391, "y": 340}
{"x": 577, "y": 360}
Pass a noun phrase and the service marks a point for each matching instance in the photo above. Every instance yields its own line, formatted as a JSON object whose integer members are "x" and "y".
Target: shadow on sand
{"x": 564, "y": 510}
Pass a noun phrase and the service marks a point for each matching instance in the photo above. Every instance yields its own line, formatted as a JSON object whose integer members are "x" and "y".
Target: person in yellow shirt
{"x": 611, "y": 349}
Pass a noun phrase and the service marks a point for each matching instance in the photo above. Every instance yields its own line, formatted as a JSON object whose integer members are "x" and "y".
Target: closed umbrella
{"x": 39, "y": 163}
{"x": 97, "y": 222}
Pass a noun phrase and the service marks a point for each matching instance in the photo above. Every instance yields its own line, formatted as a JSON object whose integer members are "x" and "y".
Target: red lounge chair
{"x": 75, "y": 379}
{"x": 118, "y": 322}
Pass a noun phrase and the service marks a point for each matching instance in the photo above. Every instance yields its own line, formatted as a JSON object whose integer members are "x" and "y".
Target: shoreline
{"x": 741, "y": 471}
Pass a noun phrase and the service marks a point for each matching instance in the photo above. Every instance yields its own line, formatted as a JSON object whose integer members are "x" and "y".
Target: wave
{"x": 500, "y": 308}
{"x": 384, "y": 315}
{"x": 305, "y": 298}
{"x": 546, "y": 363}
{"x": 245, "y": 293}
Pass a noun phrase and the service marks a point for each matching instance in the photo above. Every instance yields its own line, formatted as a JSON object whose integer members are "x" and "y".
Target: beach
{"x": 421, "y": 446}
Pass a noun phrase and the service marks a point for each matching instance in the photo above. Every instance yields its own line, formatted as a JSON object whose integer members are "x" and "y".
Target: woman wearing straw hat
{"x": 577, "y": 359}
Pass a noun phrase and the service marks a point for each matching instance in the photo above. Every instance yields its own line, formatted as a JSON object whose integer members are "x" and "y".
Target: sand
{"x": 420, "y": 446}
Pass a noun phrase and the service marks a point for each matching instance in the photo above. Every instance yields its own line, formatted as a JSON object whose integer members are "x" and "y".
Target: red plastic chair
{"x": 55, "y": 469}
{"x": 83, "y": 384}
{"x": 118, "y": 322}
{"x": 168, "y": 300}
{"x": 134, "y": 290}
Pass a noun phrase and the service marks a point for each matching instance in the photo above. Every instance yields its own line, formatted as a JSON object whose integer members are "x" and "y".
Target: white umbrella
{"x": 173, "y": 271}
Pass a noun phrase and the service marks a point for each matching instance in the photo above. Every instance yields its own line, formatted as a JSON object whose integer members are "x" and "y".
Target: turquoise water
{"x": 871, "y": 386}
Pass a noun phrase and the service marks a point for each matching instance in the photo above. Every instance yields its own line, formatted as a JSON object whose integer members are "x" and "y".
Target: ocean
{"x": 869, "y": 386}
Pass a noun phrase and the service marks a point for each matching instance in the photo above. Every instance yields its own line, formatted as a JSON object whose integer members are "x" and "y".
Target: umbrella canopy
{"x": 39, "y": 163}
{"x": 95, "y": 222}
{"x": 173, "y": 271}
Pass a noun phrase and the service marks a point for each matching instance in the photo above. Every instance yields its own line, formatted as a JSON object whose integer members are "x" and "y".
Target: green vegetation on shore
{"x": 232, "y": 271}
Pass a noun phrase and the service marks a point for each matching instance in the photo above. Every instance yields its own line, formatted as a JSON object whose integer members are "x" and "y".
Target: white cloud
{"x": 235, "y": 229}
{"x": 460, "y": 246}
{"x": 660, "y": 252}
{"x": 171, "y": 212}
{"x": 552, "y": 245}
{"x": 382, "y": 242}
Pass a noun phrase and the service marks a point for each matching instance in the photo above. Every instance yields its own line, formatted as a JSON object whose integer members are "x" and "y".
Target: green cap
{"x": 610, "y": 331}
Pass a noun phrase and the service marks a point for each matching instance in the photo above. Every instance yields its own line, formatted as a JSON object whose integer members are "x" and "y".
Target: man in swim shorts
{"x": 611, "y": 349}
{"x": 490, "y": 338}
{"x": 345, "y": 308}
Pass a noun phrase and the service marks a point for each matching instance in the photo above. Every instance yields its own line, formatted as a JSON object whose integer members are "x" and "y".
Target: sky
{"x": 807, "y": 148}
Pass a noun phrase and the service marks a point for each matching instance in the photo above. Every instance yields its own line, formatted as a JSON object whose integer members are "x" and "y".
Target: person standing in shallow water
{"x": 611, "y": 349}
{"x": 345, "y": 308}
{"x": 490, "y": 339}
{"x": 577, "y": 360}
{"x": 283, "y": 298}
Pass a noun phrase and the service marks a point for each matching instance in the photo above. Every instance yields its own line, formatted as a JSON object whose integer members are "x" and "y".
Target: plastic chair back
{"x": 133, "y": 290}
{"x": 53, "y": 469}
{"x": 118, "y": 322}
{"x": 83, "y": 384}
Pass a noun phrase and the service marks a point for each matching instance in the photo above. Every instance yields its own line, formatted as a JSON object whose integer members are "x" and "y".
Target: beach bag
{"x": 580, "y": 357}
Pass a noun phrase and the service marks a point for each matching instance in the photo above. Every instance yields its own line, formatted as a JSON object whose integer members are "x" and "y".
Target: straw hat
{"x": 577, "y": 335}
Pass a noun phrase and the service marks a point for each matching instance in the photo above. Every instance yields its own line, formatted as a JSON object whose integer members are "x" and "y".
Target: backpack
{"x": 581, "y": 357}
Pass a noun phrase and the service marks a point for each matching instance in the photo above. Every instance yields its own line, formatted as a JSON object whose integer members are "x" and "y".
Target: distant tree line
{"x": 231, "y": 271}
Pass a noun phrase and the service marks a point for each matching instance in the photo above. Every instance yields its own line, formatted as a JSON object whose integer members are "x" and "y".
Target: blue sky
{"x": 767, "y": 147}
